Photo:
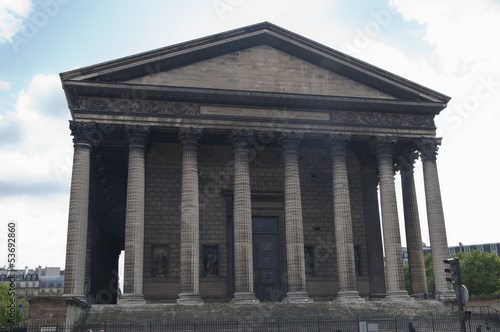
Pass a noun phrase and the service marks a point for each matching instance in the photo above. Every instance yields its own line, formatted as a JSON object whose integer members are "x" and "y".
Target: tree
{"x": 480, "y": 272}
{"x": 11, "y": 307}
{"x": 429, "y": 273}
{"x": 406, "y": 270}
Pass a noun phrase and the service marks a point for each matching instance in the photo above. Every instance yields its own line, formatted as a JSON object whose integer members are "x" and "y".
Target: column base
{"x": 244, "y": 298}
{"x": 418, "y": 296}
{"x": 349, "y": 296}
{"x": 190, "y": 299}
{"x": 132, "y": 299}
{"x": 297, "y": 297}
{"x": 377, "y": 296}
{"x": 398, "y": 295}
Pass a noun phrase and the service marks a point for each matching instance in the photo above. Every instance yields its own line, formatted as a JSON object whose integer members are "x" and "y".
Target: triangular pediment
{"x": 263, "y": 69}
{"x": 262, "y": 63}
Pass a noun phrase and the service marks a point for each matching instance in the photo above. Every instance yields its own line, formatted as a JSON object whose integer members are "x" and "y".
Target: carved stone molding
{"x": 337, "y": 143}
{"x": 382, "y": 119}
{"x": 383, "y": 146}
{"x": 405, "y": 162}
{"x": 290, "y": 141}
{"x": 428, "y": 147}
{"x": 136, "y": 106}
{"x": 190, "y": 137}
{"x": 82, "y": 133}
{"x": 241, "y": 139}
{"x": 137, "y": 135}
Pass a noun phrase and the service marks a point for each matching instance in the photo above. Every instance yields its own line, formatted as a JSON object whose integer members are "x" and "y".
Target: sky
{"x": 447, "y": 45}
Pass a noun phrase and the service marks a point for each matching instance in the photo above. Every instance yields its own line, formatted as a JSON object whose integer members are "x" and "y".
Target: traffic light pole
{"x": 456, "y": 280}
{"x": 460, "y": 305}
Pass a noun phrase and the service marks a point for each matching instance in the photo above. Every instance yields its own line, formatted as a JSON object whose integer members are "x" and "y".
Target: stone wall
{"x": 55, "y": 310}
{"x": 492, "y": 301}
{"x": 162, "y": 218}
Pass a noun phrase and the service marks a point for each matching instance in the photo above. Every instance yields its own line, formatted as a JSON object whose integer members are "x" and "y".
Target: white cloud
{"x": 12, "y": 15}
{"x": 44, "y": 153}
{"x": 42, "y": 229}
{"x": 4, "y": 85}
{"x": 463, "y": 32}
{"x": 35, "y": 172}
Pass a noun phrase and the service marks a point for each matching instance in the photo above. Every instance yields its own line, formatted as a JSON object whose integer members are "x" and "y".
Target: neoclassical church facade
{"x": 249, "y": 166}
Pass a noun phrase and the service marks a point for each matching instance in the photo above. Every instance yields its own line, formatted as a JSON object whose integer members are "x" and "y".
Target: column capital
{"x": 82, "y": 133}
{"x": 428, "y": 147}
{"x": 190, "y": 137}
{"x": 241, "y": 139}
{"x": 137, "y": 135}
{"x": 405, "y": 162}
{"x": 337, "y": 143}
{"x": 383, "y": 146}
{"x": 290, "y": 141}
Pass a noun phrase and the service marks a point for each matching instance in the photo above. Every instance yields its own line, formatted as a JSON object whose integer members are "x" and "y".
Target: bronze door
{"x": 266, "y": 271}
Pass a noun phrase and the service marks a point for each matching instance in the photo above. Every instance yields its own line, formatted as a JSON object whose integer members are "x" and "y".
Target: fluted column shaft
{"x": 76, "y": 247}
{"x": 134, "y": 218}
{"x": 435, "y": 216}
{"x": 373, "y": 232}
{"x": 342, "y": 216}
{"x": 243, "y": 252}
{"x": 416, "y": 262}
{"x": 390, "y": 222}
{"x": 293, "y": 220}
{"x": 190, "y": 216}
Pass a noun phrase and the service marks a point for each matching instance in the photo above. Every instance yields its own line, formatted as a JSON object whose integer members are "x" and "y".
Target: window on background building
{"x": 493, "y": 248}
{"x": 451, "y": 251}
{"x": 18, "y": 284}
{"x": 26, "y": 284}
{"x": 480, "y": 248}
{"x": 466, "y": 249}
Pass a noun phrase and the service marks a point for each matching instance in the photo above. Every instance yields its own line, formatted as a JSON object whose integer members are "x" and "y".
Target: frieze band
{"x": 141, "y": 106}
{"x": 136, "y": 106}
{"x": 381, "y": 119}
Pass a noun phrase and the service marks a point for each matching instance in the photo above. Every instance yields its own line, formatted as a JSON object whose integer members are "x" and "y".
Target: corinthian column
{"x": 369, "y": 183}
{"x": 134, "y": 218}
{"x": 383, "y": 146}
{"x": 416, "y": 262}
{"x": 293, "y": 220}
{"x": 190, "y": 216}
{"x": 343, "y": 220}
{"x": 243, "y": 253}
{"x": 428, "y": 148}
{"x": 78, "y": 210}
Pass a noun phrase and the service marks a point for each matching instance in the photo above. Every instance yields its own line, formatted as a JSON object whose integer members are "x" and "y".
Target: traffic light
{"x": 454, "y": 271}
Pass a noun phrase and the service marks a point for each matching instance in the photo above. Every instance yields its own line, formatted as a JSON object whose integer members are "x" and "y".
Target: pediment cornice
{"x": 164, "y": 59}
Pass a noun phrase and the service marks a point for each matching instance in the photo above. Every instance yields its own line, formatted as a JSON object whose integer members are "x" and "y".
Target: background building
{"x": 485, "y": 247}
{"x": 35, "y": 282}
